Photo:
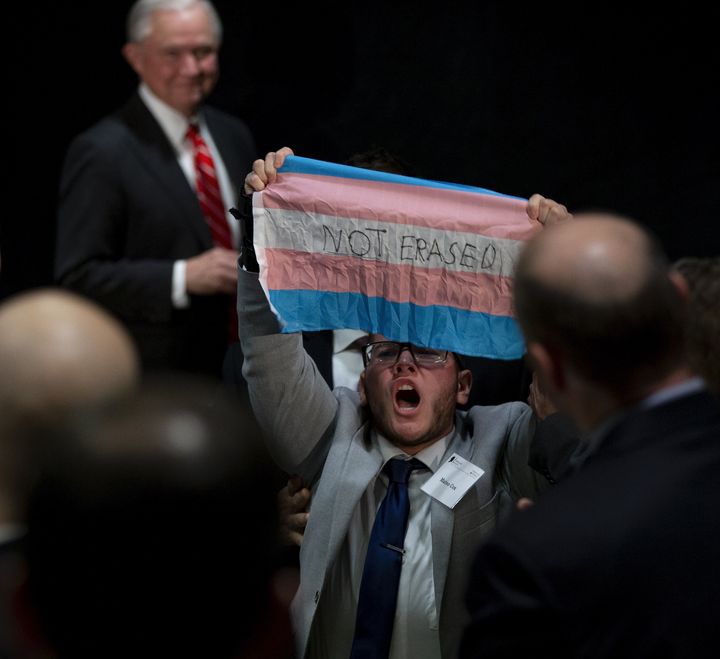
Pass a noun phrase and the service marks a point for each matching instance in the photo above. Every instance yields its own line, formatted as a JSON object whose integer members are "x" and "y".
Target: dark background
{"x": 595, "y": 106}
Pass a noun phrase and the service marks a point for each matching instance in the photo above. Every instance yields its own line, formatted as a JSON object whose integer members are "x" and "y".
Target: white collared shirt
{"x": 347, "y": 363}
{"x": 685, "y": 388}
{"x": 415, "y": 631}
{"x": 175, "y": 125}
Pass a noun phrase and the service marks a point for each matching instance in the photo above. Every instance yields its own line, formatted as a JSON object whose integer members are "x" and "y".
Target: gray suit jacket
{"x": 323, "y": 436}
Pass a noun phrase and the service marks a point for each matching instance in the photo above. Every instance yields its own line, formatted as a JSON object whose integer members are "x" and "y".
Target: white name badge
{"x": 450, "y": 483}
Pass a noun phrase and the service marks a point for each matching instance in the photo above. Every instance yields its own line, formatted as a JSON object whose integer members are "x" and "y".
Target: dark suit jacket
{"x": 620, "y": 559}
{"x": 10, "y": 573}
{"x": 126, "y": 213}
{"x": 556, "y": 447}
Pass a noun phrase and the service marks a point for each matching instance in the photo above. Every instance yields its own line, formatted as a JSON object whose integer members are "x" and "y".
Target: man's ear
{"x": 133, "y": 56}
{"x": 681, "y": 284}
{"x": 548, "y": 364}
{"x": 464, "y": 384}
{"x": 361, "y": 389}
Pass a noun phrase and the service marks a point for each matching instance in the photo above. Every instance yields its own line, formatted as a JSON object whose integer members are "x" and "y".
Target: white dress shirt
{"x": 175, "y": 125}
{"x": 347, "y": 361}
{"x": 415, "y": 631}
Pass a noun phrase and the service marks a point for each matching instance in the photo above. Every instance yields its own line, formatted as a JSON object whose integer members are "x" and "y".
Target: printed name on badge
{"x": 450, "y": 483}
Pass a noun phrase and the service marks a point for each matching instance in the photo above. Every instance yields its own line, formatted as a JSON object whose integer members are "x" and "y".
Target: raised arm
{"x": 290, "y": 397}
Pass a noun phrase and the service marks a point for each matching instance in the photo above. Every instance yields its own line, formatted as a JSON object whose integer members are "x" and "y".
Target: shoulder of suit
{"x": 510, "y": 410}
{"x": 109, "y": 134}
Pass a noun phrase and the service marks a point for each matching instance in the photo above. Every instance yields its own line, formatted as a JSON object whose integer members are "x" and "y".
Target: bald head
{"x": 598, "y": 289}
{"x": 598, "y": 257}
{"x": 58, "y": 351}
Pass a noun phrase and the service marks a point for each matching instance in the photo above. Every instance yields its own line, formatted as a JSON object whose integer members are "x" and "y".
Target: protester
{"x": 343, "y": 442}
{"x": 140, "y": 540}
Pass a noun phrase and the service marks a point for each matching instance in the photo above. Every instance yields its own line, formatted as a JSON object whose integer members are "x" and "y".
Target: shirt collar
{"x": 173, "y": 123}
{"x": 430, "y": 456}
{"x": 674, "y": 391}
{"x": 342, "y": 338}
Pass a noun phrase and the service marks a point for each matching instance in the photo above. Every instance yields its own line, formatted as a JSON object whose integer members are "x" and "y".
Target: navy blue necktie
{"x": 383, "y": 562}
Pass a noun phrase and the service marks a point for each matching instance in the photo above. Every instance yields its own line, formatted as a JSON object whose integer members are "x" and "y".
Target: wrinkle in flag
{"x": 415, "y": 260}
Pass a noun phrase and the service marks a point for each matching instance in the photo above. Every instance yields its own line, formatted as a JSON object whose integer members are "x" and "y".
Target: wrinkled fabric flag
{"x": 420, "y": 261}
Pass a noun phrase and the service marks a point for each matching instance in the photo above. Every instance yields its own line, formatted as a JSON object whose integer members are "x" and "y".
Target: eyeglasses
{"x": 388, "y": 352}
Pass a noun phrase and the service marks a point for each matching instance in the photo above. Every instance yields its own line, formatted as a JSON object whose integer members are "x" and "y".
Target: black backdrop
{"x": 598, "y": 107}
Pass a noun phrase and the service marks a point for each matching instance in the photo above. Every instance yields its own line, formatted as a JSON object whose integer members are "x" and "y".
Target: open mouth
{"x": 406, "y": 397}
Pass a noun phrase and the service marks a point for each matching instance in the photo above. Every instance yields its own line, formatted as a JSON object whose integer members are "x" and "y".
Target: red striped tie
{"x": 208, "y": 190}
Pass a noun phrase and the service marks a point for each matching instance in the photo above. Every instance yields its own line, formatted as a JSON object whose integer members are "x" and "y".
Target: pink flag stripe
{"x": 288, "y": 269}
{"x": 438, "y": 208}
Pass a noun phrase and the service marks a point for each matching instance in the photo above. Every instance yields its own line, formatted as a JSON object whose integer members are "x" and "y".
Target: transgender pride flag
{"x": 415, "y": 260}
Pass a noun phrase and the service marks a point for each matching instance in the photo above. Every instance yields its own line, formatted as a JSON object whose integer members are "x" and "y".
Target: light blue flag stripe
{"x": 300, "y": 165}
{"x": 439, "y": 327}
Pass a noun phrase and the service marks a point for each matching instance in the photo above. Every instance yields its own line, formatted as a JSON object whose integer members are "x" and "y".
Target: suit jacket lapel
{"x": 443, "y": 518}
{"x": 153, "y": 149}
{"x": 362, "y": 464}
{"x": 234, "y": 164}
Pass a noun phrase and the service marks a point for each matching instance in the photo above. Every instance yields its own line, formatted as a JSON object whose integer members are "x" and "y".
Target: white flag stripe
{"x": 396, "y": 244}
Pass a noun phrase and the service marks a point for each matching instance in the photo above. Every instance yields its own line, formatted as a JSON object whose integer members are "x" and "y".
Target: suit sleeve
{"x": 290, "y": 398}
{"x": 557, "y": 440}
{"x": 91, "y": 256}
{"x": 522, "y": 480}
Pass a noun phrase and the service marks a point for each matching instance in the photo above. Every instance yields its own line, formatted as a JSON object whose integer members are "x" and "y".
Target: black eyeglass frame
{"x": 369, "y": 347}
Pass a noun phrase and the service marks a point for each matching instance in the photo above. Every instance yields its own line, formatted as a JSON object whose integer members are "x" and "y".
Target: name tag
{"x": 450, "y": 483}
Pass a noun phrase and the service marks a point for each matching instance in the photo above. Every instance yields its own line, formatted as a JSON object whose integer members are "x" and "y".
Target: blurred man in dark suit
{"x": 141, "y": 541}
{"x": 59, "y": 353}
{"x": 619, "y": 560}
{"x": 143, "y": 226}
